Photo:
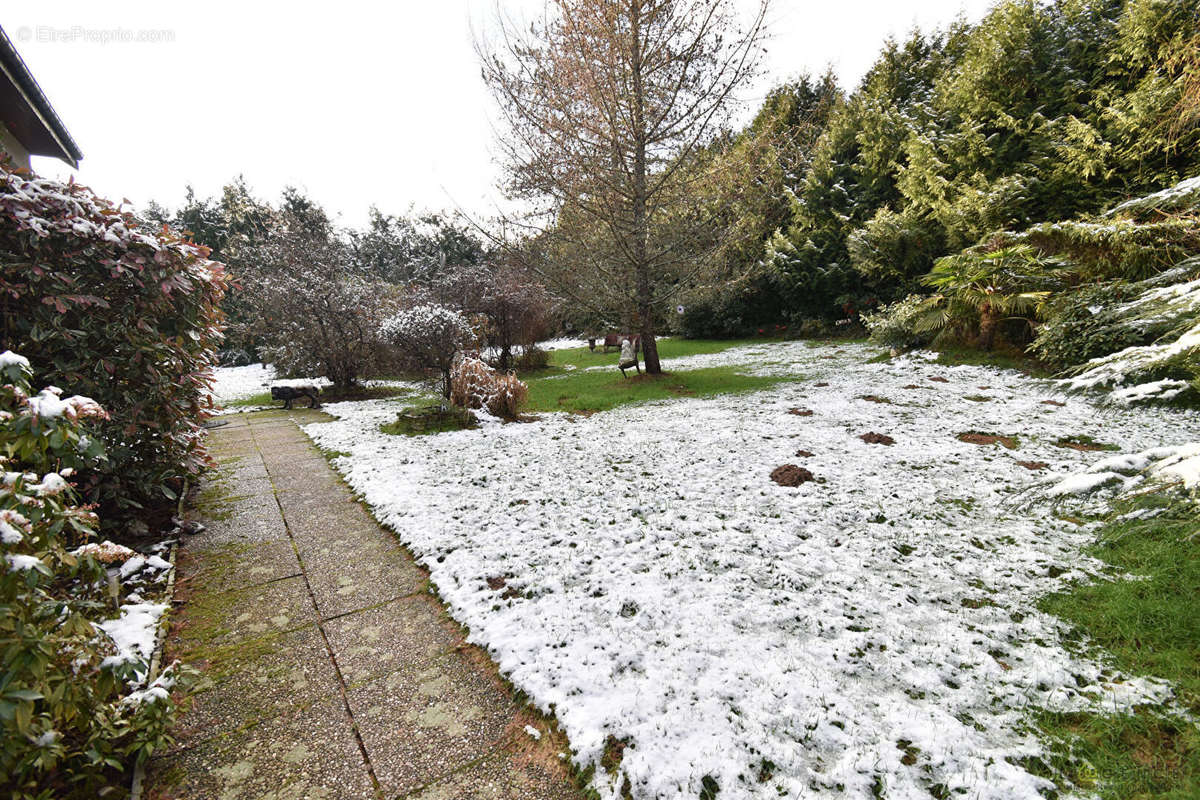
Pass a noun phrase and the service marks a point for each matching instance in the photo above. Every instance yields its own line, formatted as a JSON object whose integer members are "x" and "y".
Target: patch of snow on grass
{"x": 562, "y": 344}
{"x": 659, "y": 588}
{"x": 238, "y": 383}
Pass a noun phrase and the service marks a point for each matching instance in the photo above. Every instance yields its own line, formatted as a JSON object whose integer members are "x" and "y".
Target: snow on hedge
{"x": 1166, "y": 315}
{"x": 876, "y": 626}
{"x": 134, "y": 631}
{"x": 1126, "y": 365}
{"x": 1183, "y": 196}
{"x": 1165, "y": 389}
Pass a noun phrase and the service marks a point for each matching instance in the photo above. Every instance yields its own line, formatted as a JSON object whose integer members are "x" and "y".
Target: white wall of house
{"x": 10, "y": 145}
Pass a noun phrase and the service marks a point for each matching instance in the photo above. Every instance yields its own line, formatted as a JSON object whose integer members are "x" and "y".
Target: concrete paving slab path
{"x": 328, "y": 669}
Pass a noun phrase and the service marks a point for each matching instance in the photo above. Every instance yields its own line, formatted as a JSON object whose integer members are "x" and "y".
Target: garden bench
{"x": 290, "y": 390}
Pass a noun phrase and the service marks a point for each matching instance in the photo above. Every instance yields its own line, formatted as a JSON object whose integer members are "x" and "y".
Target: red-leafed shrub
{"x": 122, "y": 314}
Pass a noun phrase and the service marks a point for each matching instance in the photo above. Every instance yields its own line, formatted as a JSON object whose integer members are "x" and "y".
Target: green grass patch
{"x": 1148, "y": 627}
{"x": 565, "y": 385}
{"x": 1085, "y": 443}
{"x": 672, "y": 347}
{"x": 419, "y": 421}
{"x": 589, "y": 392}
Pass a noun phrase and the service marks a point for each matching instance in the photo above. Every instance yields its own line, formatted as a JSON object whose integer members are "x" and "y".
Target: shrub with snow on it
{"x": 429, "y": 337}
{"x": 75, "y": 712}
{"x": 124, "y": 314}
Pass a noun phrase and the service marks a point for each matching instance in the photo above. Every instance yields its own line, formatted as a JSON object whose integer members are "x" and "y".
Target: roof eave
{"x": 14, "y": 69}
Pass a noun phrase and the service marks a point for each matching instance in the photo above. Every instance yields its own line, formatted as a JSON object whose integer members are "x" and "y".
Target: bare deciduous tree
{"x": 607, "y": 105}
{"x": 312, "y": 311}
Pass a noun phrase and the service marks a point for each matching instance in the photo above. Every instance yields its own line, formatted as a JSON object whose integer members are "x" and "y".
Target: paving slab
{"x": 420, "y": 726}
{"x": 405, "y": 634}
{"x": 315, "y": 477}
{"x": 328, "y": 670}
{"x": 237, "y": 565}
{"x": 223, "y": 619}
{"x": 255, "y": 681}
{"x": 501, "y": 776}
{"x": 242, "y": 526}
{"x": 369, "y": 575}
{"x": 307, "y": 754}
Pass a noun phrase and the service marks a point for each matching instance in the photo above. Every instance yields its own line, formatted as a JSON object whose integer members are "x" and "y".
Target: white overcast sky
{"x": 357, "y": 103}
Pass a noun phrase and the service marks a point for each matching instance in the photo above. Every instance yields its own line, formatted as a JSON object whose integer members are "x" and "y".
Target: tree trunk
{"x": 641, "y": 223}
{"x": 505, "y": 356}
{"x": 650, "y": 351}
{"x": 988, "y": 322}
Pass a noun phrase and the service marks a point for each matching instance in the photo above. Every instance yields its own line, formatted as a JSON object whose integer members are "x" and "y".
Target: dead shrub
{"x": 473, "y": 384}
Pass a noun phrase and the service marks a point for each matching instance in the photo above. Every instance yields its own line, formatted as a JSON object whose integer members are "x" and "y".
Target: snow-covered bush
{"x": 473, "y": 384}
{"x": 312, "y": 310}
{"x": 123, "y": 314}
{"x": 1098, "y": 319}
{"x": 74, "y": 710}
{"x": 429, "y": 337}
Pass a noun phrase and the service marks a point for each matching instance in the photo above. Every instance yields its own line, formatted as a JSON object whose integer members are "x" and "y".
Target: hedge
{"x": 125, "y": 315}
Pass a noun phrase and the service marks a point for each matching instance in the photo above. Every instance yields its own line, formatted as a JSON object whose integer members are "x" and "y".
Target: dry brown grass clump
{"x": 473, "y": 384}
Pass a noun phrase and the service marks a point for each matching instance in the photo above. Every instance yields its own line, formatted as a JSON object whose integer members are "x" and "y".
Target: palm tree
{"x": 989, "y": 288}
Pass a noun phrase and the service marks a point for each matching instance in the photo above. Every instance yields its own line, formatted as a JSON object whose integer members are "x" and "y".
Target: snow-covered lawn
{"x": 873, "y": 629}
{"x": 238, "y": 383}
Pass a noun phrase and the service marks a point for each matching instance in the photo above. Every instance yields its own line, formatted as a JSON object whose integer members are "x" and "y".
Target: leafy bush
{"x": 532, "y": 357}
{"x": 1109, "y": 249}
{"x": 982, "y": 287}
{"x": 429, "y": 337}
{"x": 473, "y": 384}
{"x": 895, "y": 249}
{"x": 69, "y": 723}
{"x": 903, "y": 324}
{"x": 518, "y": 310}
{"x": 125, "y": 315}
